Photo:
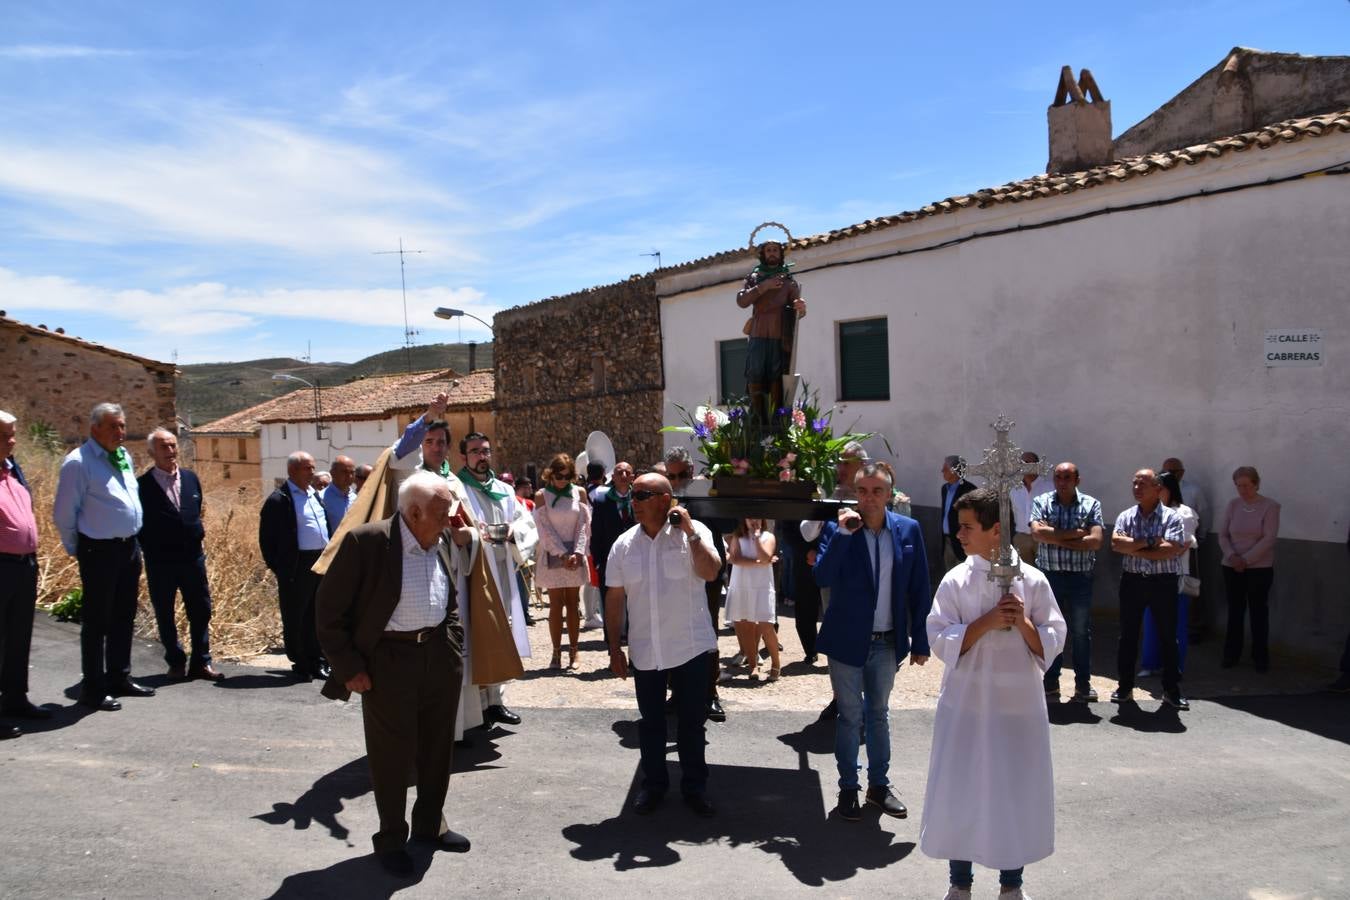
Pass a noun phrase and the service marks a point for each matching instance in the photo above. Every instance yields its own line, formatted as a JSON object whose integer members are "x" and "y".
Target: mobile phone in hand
{"x": 674, "y": 518}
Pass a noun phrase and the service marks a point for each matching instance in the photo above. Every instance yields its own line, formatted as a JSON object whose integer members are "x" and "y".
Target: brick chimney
{"x": 1080, "y": 128}
{"x": 473, "y": 354}
{"x": 1233, "y": 111}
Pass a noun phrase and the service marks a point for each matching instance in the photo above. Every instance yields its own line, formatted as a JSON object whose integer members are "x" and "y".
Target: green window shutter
{"x": 731, "y": 368}
{"x": 864, "y": 361}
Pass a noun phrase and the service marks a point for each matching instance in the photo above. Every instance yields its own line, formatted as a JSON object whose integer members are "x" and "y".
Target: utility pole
{"x": 408, "y": 332}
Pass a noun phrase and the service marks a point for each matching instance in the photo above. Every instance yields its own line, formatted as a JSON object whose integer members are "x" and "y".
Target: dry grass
{"x": 245, "y": 620}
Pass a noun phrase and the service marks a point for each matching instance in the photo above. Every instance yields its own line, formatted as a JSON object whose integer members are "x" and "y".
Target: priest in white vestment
{"x": 991, "y": 796}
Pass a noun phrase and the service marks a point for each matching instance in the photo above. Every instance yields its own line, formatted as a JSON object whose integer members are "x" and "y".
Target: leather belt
{"x": 882, "y": 635}
{"x": 125, "y": 540}
{"x": 420, "y": 636}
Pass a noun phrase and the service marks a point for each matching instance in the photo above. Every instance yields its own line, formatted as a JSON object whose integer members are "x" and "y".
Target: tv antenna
{"x": 655, "y": 254}
{"x": 408, "y": 332}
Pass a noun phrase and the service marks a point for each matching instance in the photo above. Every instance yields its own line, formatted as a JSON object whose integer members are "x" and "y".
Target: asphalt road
{"x": 257, "y": 788}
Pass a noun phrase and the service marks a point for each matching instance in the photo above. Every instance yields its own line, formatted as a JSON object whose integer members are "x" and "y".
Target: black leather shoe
{"x": 321, "y": 671}
{"x": 104, "y": 704}
{"x": 1176, "y": 701}
{"x": 10, "y": 731}
{"x": 178, "y": 672}
{"x": 25, "y": 710}
{"x": 397, "y": 863}
{"x": 450, "y": 841}
{"x": 646, "y": 802}
{"x": 129, "y": 688}
{"x": 885, "y": 798}
{"x": 715, "y": 711}
{"x": 848, "y": 808}
{"x": 701, "y": 805}
{"x": 499, "y": 713}
{"x": 300, "y": 673}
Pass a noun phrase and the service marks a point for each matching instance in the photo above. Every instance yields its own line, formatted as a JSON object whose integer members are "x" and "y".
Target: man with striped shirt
{"x": 1149, "y": 536}
{"x": 1067, "y": 526}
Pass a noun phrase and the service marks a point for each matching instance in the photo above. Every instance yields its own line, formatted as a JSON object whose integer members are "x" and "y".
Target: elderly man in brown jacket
{"x": 389, "y": 626}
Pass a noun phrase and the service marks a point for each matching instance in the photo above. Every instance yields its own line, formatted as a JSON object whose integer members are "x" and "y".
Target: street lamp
{"x": 445, "y": 312}
{"x": 318, "y": 410}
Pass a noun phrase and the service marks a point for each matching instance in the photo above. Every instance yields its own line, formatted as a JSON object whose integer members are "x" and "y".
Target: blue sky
{"x": 215, "y": 178}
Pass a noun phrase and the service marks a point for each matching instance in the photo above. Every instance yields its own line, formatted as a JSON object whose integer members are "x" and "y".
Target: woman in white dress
{"x": 751, "y": 600}
{"x": 563, "y": 518}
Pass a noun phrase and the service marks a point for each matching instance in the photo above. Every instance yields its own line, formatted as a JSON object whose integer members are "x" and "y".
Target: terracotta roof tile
{"x": 1058, "y": 184}
{"x": 375, "y": 397}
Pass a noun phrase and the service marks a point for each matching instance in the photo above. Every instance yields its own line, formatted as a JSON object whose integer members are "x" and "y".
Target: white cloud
{"x": 217, "y": 309}
{"x": 58, "y": 51}
{"x": 228, "y": 179}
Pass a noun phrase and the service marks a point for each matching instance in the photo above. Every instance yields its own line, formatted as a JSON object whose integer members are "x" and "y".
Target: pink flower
{"x": 784, "y": 474}
{"x": 798, "y": 418}
{"x": 740, "y": 466}
{"x": 710, "y": 420}
{"x": 791, "y": 458}
{"x": 785, "y": 463}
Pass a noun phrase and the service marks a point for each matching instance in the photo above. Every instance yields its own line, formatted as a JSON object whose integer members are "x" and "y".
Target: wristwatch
{"x": 694, "y": 537}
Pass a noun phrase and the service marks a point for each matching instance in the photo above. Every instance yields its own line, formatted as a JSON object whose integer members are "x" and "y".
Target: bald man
{"x": 655, "y": 575}
{"x": 340, "y": 494}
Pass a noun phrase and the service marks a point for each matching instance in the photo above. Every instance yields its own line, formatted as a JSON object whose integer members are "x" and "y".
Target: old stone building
{"x": 56, "y": 379}
{"x": 567, "y": 366}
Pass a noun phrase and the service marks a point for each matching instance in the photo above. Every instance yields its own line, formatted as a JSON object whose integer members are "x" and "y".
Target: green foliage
{"x": 797, "y": 443}
{"x": 70, "y": 608}
{"x": 44, "y": 437}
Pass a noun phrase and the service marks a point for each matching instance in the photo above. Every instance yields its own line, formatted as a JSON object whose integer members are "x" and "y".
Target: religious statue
{"x": 775, "y": 301}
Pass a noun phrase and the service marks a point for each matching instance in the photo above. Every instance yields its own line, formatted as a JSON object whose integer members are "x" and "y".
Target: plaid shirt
{"x": 1083, "y": 513}
{"x": 1162, "y": 524}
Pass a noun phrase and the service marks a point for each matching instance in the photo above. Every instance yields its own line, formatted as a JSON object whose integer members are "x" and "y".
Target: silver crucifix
{"x": 1003, "y": 470}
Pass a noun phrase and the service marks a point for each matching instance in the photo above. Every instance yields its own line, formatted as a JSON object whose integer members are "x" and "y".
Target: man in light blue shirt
{"x": 340, "y": 494}
{"x": 98, "y": 513}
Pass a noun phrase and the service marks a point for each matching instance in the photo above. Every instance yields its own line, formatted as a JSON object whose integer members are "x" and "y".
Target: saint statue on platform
{"x": 775, "y": 301}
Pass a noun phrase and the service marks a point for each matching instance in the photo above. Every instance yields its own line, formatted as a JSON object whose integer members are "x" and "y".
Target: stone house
{"x": 56, "y": 379}
{"x": 358, "y": 419}
{"x": 570, "y": 365}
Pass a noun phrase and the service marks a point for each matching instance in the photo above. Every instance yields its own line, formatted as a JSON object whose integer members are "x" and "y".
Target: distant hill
{"x": 208, "y": 391}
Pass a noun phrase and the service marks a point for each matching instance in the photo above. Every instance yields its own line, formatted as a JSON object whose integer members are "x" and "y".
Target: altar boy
{"x": 990, "y": 796}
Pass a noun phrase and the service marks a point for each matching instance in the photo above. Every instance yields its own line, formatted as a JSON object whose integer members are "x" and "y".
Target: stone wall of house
{"x": 57, "y": 381}
{"x": 567, "y": 366}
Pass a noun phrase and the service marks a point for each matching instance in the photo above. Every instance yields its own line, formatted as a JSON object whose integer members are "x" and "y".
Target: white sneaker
{"x": 1013, "y": 894}
{"x": 957, "y": 893}
{"x": 738, "y": 660}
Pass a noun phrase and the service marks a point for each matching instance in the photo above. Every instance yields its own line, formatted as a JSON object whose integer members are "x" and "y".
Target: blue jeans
{"x": 963, "y": 874}
{"x": 863, "y": 694}
{"x": 1152, "y": 652}
{"x": 1073, "y": 591}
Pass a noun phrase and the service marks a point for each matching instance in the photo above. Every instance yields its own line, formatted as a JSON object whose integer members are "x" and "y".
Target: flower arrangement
{"x": 798, "y": 442}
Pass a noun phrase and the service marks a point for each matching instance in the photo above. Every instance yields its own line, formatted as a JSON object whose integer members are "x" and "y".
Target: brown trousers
{"x": 409, "y": 715}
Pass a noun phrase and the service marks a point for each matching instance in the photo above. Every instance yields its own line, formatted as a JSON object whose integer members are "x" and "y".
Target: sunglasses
{"x": 642, "y": 496}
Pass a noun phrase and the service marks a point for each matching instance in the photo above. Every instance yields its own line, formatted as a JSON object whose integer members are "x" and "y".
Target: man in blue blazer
{"x": 874, "y": 563}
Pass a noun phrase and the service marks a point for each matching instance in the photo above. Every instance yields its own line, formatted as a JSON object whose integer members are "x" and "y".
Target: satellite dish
{"x": 599, "y": 449}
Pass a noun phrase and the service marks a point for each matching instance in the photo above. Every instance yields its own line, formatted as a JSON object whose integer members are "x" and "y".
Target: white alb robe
{"x": 991, "y": 793}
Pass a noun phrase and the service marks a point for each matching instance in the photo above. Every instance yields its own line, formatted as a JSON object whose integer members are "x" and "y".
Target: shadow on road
{"x": 778, "y": 811}
{"x": 360, "y": 877}
{"x": 323, "y": 801}
{"x": 1163, "y": 720}
{"x": 1071, "y": 713}
{"x": 1326, "y": 715}
{"x": 275, "y": 678}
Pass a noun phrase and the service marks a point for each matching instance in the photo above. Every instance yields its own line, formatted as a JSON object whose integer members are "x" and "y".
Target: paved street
{"x": 258, "y": 788}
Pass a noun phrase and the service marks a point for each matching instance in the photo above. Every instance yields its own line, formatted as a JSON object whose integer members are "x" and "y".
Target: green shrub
{"x": 70, "y": 607}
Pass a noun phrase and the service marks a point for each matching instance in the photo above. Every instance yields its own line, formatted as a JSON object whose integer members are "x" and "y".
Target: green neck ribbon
{"x": 443, "y": 471}
{"x": 764, "y": 273}
{"x": 119, "y": 459}
{"x": 558, "y": 493}
{"x": 472, "y": 481}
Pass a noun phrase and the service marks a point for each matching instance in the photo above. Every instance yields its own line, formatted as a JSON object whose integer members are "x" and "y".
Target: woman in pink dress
{"x": 563, "y": 518}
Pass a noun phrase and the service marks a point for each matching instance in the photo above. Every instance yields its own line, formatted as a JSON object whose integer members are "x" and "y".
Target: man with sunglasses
{"x": 679, "y": 468}
{"x": 656, "y": 572}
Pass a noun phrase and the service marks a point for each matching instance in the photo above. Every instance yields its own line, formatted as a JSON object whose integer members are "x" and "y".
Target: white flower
{"x": 701, "y": 414}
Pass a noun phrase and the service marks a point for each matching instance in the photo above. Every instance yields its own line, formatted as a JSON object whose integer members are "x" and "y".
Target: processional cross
{"x": 1003, "y": 469}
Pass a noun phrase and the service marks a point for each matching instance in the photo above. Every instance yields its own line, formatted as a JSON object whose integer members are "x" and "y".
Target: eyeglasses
{"x": 642, "y": 496}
